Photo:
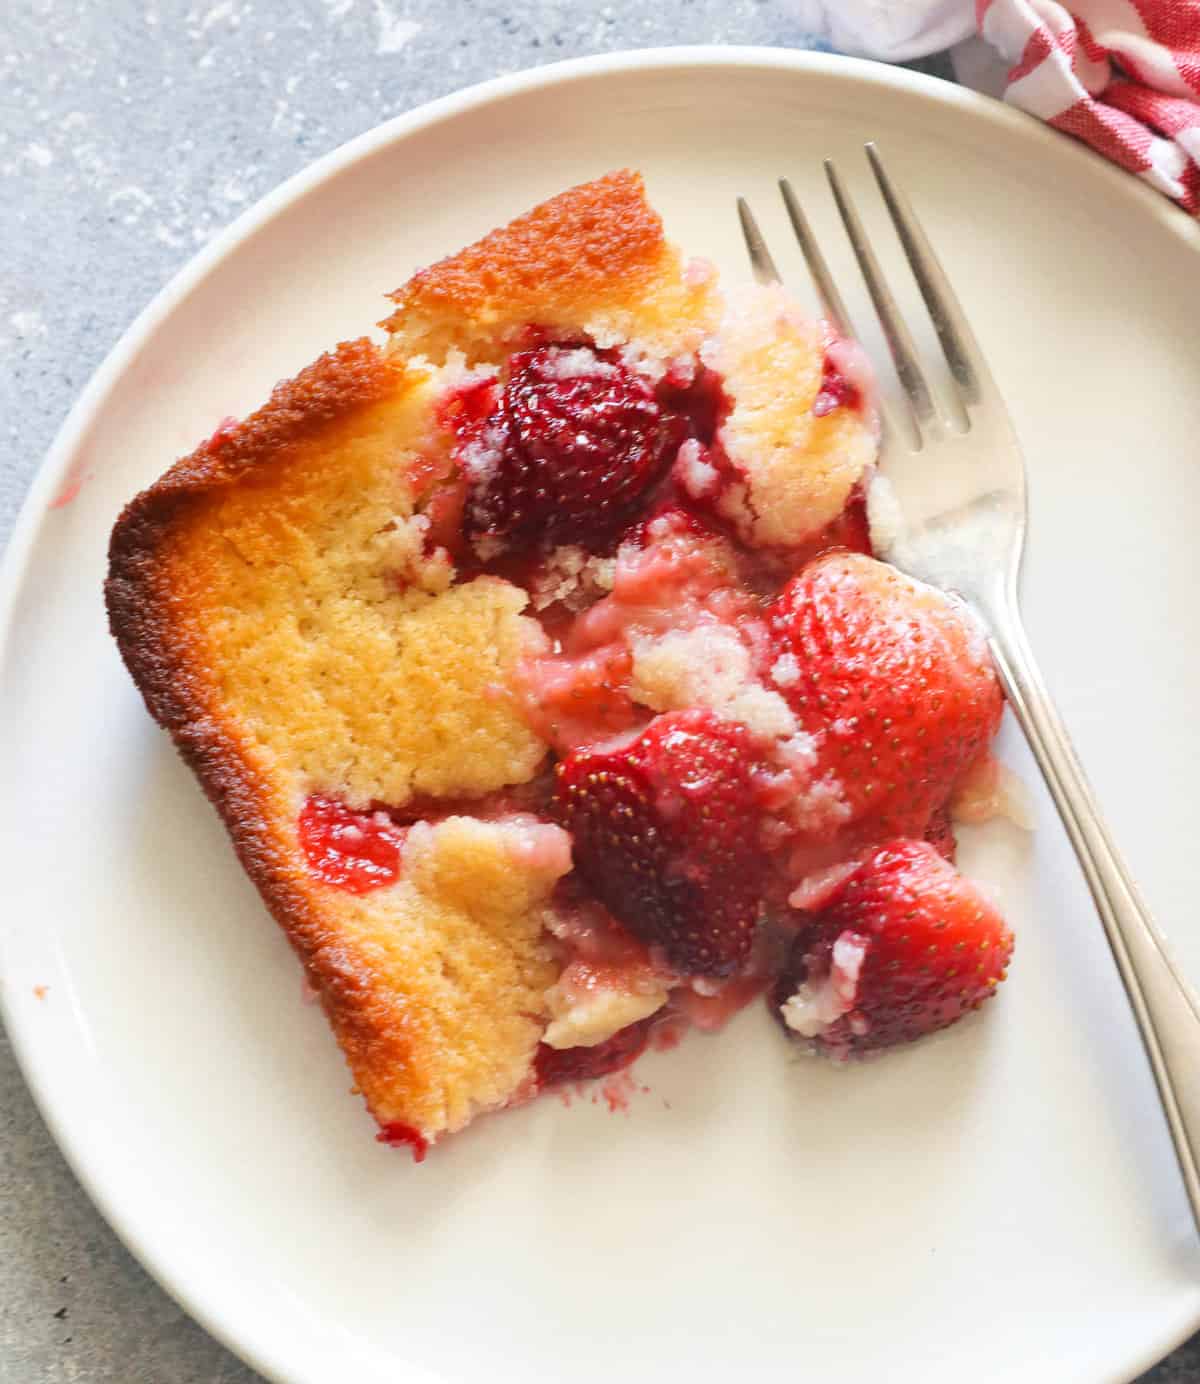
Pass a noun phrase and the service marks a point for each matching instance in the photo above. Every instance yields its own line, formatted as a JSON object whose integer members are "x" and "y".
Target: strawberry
{"x": 905, "y": 946}
{"x": 568, "y": 447}
{"x": 553, "y": 1066}
{"x": 571, "y": 699}
{"x": 940, "y": 834}
{"x": 894, "y": 683}
{"x": 665, "y": 834}
{"x": 355, "y": 851}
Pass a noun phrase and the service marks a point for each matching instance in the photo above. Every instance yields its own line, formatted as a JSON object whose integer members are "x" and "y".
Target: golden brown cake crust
{"x": 592, "y": 243}
{"x": 159, "y": 654}
{"x": 353, "y": 376}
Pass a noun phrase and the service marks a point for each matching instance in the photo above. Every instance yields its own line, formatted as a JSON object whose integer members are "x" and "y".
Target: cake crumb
{"x": 707, "y": 666}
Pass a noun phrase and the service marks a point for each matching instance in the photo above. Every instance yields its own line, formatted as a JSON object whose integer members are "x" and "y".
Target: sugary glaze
{"x": 552, "y": 521}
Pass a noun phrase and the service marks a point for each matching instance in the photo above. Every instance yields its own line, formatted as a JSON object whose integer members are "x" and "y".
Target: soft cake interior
{"x": 291, "y": 619}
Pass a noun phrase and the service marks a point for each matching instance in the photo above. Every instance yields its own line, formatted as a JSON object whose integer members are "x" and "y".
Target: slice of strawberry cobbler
{"x": 541, "y": 671}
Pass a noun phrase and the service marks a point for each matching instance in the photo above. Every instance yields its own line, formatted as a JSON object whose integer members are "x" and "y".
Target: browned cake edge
{"x": 169, "y": 674}
{"x": 588, "y": 243}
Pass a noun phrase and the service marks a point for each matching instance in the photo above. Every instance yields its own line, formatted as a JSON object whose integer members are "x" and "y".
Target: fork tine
{"x": 899, "y": 340}
{"x": 831, "y": 299}
{"x": 760, "y": 257}
{"x": 954, "y": 332}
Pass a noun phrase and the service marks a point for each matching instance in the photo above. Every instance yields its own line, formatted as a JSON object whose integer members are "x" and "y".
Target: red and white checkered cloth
{"x": 1124, "y": 75}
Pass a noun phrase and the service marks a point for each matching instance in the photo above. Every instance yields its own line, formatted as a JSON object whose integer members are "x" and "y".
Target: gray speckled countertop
{"x": 131, "y": 131}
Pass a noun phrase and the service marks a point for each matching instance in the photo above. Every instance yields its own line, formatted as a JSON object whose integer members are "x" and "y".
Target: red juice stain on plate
{"x": 397, "y": 1135}
{"x": 618, "y": 1090}
{"x": 355, "y": 851}
{"x": 72, "y": 483}
{"x": 73, "y": 486}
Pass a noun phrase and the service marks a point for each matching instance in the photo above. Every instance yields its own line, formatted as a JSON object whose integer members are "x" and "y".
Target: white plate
{"x": 1001, "y": 1203}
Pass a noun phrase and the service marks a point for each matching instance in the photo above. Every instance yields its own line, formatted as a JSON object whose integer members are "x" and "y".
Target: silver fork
{"x": 951, "y": 512}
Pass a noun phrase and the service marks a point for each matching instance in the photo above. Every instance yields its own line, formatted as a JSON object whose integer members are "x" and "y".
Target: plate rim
{"x": 91, "y": 402}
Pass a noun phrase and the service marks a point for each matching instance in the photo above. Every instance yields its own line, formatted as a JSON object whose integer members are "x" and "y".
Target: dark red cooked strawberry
{"x": 665, "y": 834}
{"x": 669, "y": 522}
{"x": 697, "y": 395}
{"x": 572, "y": 442}
{"x": 893, "y": 681}
{"x": 552, "y": 1066}
{"x": 905, "y": 946}
{"x": 940, "y": 834}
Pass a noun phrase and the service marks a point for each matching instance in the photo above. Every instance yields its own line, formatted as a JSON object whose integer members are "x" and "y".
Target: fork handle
{"x": 1166, "y": 1008}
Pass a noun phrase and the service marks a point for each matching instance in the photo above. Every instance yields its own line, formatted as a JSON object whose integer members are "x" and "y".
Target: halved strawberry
{"x": 893, "y": 681}
{"x": 563, "y": 453}
{"x": 666, "y": 832}
{"x": 905, "y": 946}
